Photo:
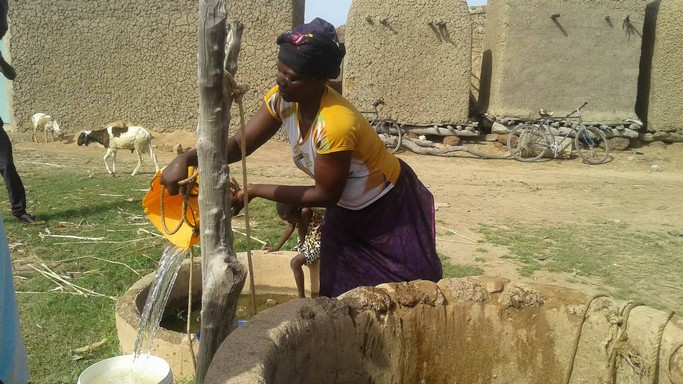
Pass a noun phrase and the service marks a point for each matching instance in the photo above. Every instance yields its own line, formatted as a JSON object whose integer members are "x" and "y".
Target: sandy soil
{"x": 640, "y": 187}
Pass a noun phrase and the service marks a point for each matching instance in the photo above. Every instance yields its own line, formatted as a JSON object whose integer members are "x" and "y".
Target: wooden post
{"x": 223, "y": 275}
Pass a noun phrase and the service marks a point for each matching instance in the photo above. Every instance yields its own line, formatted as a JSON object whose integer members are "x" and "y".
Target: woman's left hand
{"x": 238, "y": 199}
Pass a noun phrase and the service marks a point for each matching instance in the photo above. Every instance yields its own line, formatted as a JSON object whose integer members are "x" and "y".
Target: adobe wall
{"x": 263, "y": 22}
{"x": 416, "y": 56}
{"x": 666, "y": 98}
{"x": 88, "y": 62}
{"x": 478, "y": 15}
{"x": 589, "y": 51}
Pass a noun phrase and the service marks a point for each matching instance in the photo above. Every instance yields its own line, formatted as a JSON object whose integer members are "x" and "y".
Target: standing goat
{"x": 114, "y": 137}
{"x": 43, "y": 122}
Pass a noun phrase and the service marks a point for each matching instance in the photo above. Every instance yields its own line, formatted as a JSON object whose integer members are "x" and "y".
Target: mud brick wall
{"x": 572, "y": 50}
{"x": 91, "y": 62}
{"x": 478, "y": 15}
{"x": 263, "y": 22}
{"x": 666, "y": 95}
{"x": 415, "y": 55}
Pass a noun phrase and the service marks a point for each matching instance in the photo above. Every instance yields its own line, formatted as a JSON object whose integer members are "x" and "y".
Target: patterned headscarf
{"x": 312, "y": 49}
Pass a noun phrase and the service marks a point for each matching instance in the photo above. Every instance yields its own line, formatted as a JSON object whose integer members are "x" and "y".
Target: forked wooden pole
{"x": 223, "y": 276}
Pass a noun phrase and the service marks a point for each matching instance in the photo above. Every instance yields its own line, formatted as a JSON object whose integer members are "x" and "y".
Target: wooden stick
{"x": 100, "y": 259}
{"x": 456, "y": 233}
{"x": 43, "y": 235}
{"x": 73, "y": 286}
{"x": 251, "y": 237}
{"x": 90, "y": 347}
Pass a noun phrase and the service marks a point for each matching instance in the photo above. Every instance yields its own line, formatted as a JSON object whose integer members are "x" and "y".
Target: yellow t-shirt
{"x": 339, "y": 127}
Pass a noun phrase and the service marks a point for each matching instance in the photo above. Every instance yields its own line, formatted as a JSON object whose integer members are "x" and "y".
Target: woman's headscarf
{"x": 312, "y": 49}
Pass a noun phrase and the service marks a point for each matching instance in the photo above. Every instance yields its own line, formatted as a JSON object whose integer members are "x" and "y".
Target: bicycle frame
{"x": 385, "y": 128}
{"x": 532, "y": 142}
{"x": 553, "y": 143}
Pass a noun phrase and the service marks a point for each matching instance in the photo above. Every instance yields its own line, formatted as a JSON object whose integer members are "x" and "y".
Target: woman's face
{"x": 293, "y": 86}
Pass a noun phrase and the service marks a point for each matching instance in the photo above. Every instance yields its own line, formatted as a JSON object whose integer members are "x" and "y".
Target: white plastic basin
{"x": 147, "y": 369}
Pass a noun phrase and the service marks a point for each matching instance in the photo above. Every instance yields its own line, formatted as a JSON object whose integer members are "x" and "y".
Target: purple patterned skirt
{"x": 391, "y": 240}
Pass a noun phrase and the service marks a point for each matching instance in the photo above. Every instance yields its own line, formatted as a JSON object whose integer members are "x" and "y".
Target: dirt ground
{"x": 640, "y": 187}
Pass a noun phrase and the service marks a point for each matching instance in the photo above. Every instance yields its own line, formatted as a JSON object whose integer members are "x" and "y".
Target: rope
{"x": 189, "y": 184}
{"x": 653, "y": 372}
{"x": 611, "y": 375}
{"x": 189, "y": 311}
{"x": 238, "y": 93}
{"x": 673, "y": 353}
{"x": 577, "y": 338}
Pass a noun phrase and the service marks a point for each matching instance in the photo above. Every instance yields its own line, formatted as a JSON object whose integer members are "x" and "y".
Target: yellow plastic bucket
{"x": 188, "y": 234}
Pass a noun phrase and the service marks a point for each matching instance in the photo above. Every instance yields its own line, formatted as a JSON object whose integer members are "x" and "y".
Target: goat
{"x": 47, "y": 124}
{"x": 114, "y": 137}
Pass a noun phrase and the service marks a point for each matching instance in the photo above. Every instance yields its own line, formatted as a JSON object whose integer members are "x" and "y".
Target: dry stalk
{"x": 100, "y": 259}
{"x": 457, "y": 234}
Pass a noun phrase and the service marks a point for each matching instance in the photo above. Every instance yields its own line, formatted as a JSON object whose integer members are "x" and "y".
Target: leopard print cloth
{"x": 311, "y": 244}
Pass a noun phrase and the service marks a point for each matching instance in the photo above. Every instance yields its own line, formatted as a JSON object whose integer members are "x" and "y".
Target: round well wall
{"x": 474, "y": 330}
{"x": 272, "y": 274}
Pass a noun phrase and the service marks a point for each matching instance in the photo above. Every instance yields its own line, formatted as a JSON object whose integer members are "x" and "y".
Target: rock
{"x": 178, "y": 149}
{"x": 630, "y": 133}
{"x": 661, "y": 136}
{"x": 499, "y": 128}
{"x": 619, "y": 143}
{"x": 451, "y": 141}
{"x": 491, "y": 137}
{"x": 465, "y": 289}
{"x": 518, "y": 295}
{"x": 367, "y": 299}
{"x": 493, "y": 284}
{"x": 635, "y": 143}
{"x": 657, "y": 145}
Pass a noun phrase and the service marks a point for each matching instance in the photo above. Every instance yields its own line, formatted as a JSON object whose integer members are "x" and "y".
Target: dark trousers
{"x": 15, "y": 188}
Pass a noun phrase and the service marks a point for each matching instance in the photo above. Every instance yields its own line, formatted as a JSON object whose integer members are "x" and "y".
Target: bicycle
{"x": 531, "y": 142}
{"x": 388, "y": 130}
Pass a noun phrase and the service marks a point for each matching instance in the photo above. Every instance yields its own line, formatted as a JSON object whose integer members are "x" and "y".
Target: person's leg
{"x": 297, "y": 264}
{"x": 13, "y": 183}
{"x": 7, "y": 69}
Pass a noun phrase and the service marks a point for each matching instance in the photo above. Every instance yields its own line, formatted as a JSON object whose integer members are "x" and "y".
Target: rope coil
{"x": 189, "y": 184}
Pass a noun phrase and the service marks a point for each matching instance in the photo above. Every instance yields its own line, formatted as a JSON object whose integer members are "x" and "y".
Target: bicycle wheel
{"x": 591, "y": 144}
{"x": 528, "y": 143}
{"x": 391, "y": 134}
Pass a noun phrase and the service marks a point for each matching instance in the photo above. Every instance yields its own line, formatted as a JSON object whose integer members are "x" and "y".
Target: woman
{"x": 379, "y": 222}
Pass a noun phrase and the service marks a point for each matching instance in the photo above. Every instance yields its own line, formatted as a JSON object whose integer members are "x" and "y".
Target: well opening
{"x": 273, "y": 279}
{"x": 483, "y": 330}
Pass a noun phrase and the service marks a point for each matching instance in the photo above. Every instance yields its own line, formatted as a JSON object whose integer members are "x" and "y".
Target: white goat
{"x": 115, "y": 136}
{"x": 43, "y": 122}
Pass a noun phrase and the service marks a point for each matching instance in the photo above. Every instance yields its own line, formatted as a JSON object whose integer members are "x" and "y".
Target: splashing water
{"x": 159, "y": 291}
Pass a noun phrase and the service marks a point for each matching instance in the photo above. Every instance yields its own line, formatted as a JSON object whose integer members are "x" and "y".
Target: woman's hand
{"x": 176, "y": 171}
{"x": 238, "y": 199}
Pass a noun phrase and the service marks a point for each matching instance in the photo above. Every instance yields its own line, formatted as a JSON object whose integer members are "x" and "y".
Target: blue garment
{"x": 13, "y": 358}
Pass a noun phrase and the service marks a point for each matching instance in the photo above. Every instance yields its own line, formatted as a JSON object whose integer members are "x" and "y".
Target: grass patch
{"x": 458, "y": 270}
{"x": 54, "y": 320}
{"x": 632, "y": 264}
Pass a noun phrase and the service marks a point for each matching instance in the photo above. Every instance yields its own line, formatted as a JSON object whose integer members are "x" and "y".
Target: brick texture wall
{"x": 590, "y": 50}
{"x": 666, "y": 82}
{"x": 91, "y": 62}
{"x": 416, "y": 55}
